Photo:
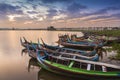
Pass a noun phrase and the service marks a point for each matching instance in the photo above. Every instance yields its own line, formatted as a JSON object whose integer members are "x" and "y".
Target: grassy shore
{"x": 115, "y": 46}
{"x": 106, "y": 32}
{"x": 109, "y": 33}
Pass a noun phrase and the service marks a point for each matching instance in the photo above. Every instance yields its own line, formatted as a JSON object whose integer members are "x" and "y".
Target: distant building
{"x": 51, "y": 28}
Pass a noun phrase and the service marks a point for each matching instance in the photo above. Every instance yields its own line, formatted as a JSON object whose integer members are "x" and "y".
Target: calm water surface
{"x": 14, "y": 66}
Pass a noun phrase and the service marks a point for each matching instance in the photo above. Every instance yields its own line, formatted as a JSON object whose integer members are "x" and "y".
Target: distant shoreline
{"x": 23, "y": 29}
{"x": 65, "y": 29}
{"x": 52, "y": 28}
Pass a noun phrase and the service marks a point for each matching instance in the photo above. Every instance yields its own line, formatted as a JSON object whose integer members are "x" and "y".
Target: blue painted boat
{"x": 31, "y": 53}
{"x": 68, "y": 50}
{"x": 34, "y": 46}
{"x": 66, "y": 42}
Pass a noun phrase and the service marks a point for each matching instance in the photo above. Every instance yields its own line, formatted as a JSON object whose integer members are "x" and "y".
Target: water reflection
{"x": 32, "y": 62}
{"x": 101, "y": 52}
{"x": 46, "y": 75}
{"x": 24, "y": 51}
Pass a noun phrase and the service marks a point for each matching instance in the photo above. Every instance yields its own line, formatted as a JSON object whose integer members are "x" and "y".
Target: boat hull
{"x": 82, "y": 47}
{"x": 76, "y": 74}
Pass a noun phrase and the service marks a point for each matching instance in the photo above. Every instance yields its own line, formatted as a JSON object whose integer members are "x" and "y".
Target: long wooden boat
{"x": 34, "y": 46}
{"x": 44, "y": 74}
{"x": 87, "y": 46}
{"x": 71, "y": 52}
{"x": 83, "y": 38}
{"x": 67, "y": 42}
{"x": 32, "y": 53}
{"x": 76, "y": 67}
{"x": 80, "y": 45}
{"x": 67, "y": 50}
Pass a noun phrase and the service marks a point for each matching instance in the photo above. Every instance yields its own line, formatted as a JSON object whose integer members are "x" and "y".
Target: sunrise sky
{"x": 59, "y": 13}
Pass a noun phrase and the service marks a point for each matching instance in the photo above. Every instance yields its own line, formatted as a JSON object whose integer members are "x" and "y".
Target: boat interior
{"x": 81, "y": 65}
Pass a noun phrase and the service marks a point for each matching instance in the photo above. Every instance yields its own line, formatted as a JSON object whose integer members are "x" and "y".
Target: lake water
{"x": 14, "y": 66}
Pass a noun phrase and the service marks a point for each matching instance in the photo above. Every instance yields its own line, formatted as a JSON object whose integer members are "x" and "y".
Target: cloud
{"x": 103, "y": 11}
{"x": 116, "y": 15}
{"x": 9, "y": 9}
{"x": 56, "y": 10}
{"x": 32, "y": 12}
{"x": 101, "y": 17}
{"x": 28, "y": 22}
{"x": 41, "y": 19}
{"x": 12, "y": 17}
{"x": 38, "y": 9}
{"x": 32, "y": 0}
{"x": 61, "y": 16}
{"x": 100, "y": 14}
{"x": 52, "y": 12}
{"x": 75, "y": 7}
{"x": 50, "y": 1}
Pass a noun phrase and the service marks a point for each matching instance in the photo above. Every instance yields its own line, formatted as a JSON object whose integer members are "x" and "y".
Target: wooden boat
{"x": 80, "y": 45}
{"x": 67, "y": 50}
{"x": 71, "y": 66}
{"x": 71, "y": 52}
{"x": 83, "y": 46}
{"x": 44, "y": 74}
{"x": 32, "y": 53}
{"x": 74, "y": 38}
{"x": 78, "y": 39}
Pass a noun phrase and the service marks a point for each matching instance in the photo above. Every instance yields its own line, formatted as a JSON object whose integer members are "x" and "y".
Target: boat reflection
{"x": 24, "y": 51}
{"x": 32, "y": 62}
{"x": 46, "y": 75}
